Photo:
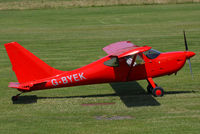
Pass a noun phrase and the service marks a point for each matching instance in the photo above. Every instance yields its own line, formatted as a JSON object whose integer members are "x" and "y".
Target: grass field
{"x": 70, "y": 38}
{"x": 54, "y": 4}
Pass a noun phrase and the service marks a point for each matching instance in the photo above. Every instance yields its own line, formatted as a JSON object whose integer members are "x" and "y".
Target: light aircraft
{"x": 124, "y": 62}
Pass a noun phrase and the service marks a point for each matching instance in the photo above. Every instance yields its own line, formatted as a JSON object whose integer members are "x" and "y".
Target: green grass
{"x": 70, "y": 38}
{"x": 54, "y": 4}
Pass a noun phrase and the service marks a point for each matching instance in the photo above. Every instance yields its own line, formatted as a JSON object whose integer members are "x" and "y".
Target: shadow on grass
{"x": 131, "y": 94}
{"x": 179, "y": 92}
{"x": 26, "y": 99}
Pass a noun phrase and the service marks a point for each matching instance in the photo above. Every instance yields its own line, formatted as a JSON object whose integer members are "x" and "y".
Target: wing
{"x": 114, "y": 47}
{"x": 124, "y": 48}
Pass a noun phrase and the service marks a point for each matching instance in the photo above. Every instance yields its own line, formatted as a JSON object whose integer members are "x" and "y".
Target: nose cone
{"x": 189, "y": 54}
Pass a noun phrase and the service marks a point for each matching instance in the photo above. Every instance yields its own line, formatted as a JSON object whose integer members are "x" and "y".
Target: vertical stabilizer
{"x": 26, "y": 65}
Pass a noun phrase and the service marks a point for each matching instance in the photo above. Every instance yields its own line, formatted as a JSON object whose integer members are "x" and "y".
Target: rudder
{"x": 26, "y": 65}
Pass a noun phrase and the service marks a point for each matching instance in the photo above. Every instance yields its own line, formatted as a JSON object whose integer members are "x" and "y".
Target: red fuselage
{"x": 96, "y": 72}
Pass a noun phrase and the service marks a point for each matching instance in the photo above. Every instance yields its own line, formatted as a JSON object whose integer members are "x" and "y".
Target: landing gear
{"x": 158, "y": 92}
{"x": 150, "y": 88}
{"x": 153, "y": 89}
{"x": 15, "y": 98}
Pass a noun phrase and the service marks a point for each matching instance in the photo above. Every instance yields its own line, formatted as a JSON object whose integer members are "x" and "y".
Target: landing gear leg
{"x": 153, "y": 89}
{"x": 15, "y": 98}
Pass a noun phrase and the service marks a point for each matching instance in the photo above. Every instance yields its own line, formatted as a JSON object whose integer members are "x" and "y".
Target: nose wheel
{"x": 153, "y": 89}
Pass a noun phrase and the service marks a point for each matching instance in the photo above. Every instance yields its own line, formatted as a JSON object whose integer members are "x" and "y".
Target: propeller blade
{"x": 190, "y": 68}
{"x": 186, "y": 46}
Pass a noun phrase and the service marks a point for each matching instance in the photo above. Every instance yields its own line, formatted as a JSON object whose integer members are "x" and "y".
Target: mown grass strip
{"x": 42, "y": 4}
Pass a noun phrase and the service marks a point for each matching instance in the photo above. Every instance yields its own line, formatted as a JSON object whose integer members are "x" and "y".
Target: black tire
{"x": 158, "y": 92}
{"x": 150, "y": 88}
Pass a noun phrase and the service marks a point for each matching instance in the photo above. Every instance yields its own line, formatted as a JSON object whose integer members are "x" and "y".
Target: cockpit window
{"x": 152, "y": 53}
{"x": 139, "y": 60}
{"x": 113, "y": 62}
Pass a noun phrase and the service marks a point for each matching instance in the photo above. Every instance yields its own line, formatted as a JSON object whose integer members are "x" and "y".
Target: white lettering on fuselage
{"x": 68, "y": 79}
{"x": 75, "y": 77}
{"x": 64, "y": 80}
{"x": 81, "y": 76}
{"x": 54, "y": 82}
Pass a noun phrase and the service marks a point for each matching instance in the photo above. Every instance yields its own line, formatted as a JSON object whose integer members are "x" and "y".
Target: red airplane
{"x": 124, "y": 62}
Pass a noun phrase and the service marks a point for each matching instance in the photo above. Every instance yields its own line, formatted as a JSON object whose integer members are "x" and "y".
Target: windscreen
{"x": 152, "y": 53}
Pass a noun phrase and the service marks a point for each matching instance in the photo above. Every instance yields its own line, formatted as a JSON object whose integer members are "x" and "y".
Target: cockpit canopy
{"x": 152, "y": 53}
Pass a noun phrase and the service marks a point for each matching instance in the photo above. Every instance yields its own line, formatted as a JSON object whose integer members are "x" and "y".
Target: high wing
{"x": 124, "y": 48}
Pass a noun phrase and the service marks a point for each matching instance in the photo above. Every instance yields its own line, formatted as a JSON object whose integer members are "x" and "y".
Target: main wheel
{"x": 150, "y": 88}
{"x": 158, "y": 92}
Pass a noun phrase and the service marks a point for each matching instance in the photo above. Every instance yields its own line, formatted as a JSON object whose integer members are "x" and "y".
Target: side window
{"x": 113, "y": 62}
{"x": 129, "y": 60}
{"x": 138, "y": 60}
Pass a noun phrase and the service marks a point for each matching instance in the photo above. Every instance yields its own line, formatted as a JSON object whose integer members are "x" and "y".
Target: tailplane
{"x": 26, "y": 65}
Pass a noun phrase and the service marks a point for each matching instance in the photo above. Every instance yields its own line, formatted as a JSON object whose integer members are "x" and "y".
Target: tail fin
{"x": 27, "y": 66}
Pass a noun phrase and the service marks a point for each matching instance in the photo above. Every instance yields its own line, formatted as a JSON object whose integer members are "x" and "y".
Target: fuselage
{"x": 97, "y": 72}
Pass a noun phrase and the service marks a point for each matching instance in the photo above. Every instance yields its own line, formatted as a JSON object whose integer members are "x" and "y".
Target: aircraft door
{"x": 137, "y": 70}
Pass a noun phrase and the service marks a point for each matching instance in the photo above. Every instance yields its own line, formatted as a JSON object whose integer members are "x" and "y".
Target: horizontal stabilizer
{"x": 14, "y": 84}
{"x": 25, "y": 86}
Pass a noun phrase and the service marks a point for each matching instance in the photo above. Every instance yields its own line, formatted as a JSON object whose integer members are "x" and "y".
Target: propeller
{"x": 186, "y": 48}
